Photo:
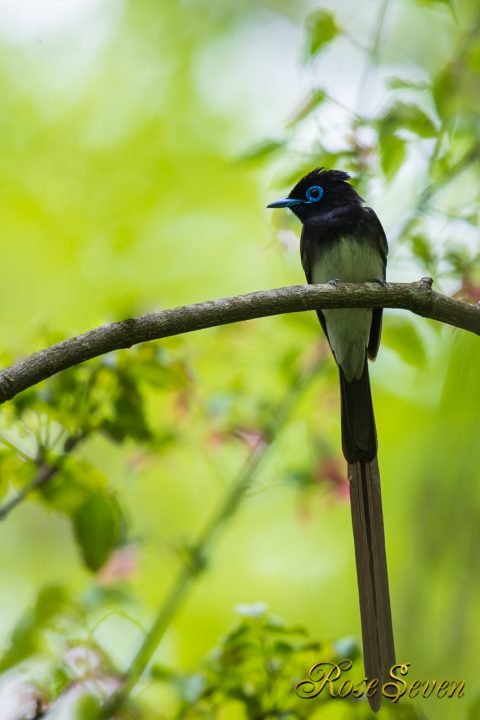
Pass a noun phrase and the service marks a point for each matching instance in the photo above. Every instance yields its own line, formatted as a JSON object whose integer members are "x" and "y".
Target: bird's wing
{"x": 378, "y": 233}
{"x": 377, "y": 230}
{"x": 307, "y": 254}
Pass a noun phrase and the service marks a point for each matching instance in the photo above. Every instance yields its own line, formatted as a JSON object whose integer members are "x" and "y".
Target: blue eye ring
{"x": 314, "y": 193}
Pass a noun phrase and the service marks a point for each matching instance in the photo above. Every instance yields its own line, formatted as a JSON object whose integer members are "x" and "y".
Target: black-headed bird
{"x": 343, "y": 240}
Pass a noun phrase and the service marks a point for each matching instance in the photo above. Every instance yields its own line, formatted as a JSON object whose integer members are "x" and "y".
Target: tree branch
{"x": 417, "y": 297}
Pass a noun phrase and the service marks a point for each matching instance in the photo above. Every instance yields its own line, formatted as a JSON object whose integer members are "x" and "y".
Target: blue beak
{"x": 284, "y": 202}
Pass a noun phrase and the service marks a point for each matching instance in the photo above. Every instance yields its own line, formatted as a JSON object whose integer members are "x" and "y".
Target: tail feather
{"x": 359, "y": 437}
{"x": 359, "y": 441}
{"x": 372, "y": 573}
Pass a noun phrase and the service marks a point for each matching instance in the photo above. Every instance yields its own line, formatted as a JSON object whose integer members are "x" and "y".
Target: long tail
{"x": 360, "y": 448}
{"x": 359, "y": 437}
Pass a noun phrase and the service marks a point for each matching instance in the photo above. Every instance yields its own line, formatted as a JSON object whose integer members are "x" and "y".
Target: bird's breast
{"x": 347, "y": 259}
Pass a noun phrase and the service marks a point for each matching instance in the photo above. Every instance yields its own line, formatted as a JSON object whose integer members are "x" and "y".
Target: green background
{"x": 140, "y": 143}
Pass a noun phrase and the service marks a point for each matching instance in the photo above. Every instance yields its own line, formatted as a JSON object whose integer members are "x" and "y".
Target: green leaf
{"x": 97, "y": 525}
{"x": 162, "y": 673}
{"x": 422, "y": 249}
{"x": 403, "y": 116}
{"x": 128, "y": 419}
{"x": 398, "y": 83}
{"x": 13, "y": 468}
{"x": 87, "y": 707}
{"x": 456, "y": 89}
{"x": 262, "y": 151}
{"x": 321, "y": 29}
{"x": 51, "y": 600}
{"x": 26, "y": 636}
{"x": 392, "y": 154}
{"x": 432, "y": 3}
{"x": 315, "y": 99}
{"x": 402, "y": 336}
{"x": 155, "y": 366}
{"x": 166, "y": 377}
{"x": 72, "y": 485}
{"x": 459, "y": 258}
{"x": 445, "y": 87}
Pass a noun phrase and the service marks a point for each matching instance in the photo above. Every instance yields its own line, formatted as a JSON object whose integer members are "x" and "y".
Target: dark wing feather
{"x": 375, "y": 333}
{"x": 307, "y": 252}
{"x": 379, "y": 232}
{"x": 381, "y": 240}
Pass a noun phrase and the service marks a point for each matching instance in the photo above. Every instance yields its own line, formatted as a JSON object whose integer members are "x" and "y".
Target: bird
{"x": 343, "y": 240}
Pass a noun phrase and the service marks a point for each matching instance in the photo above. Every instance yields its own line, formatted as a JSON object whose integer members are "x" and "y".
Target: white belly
{"x": 348, "y": 330}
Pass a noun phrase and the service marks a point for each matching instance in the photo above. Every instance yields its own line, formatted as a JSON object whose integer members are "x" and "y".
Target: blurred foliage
{"x": 321, "y": 29}
{"x": 140, "y": 143}
{"x": 254, "y": 670}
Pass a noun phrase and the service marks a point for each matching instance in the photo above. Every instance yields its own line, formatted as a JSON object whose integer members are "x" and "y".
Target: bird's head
{"x": 318, "y": 192}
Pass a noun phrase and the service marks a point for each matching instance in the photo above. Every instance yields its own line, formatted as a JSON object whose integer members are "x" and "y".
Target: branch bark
{"x": 417, "y": 297}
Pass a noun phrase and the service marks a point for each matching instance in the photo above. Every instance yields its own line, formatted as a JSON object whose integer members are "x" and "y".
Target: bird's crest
{"x": 327, "y": 178}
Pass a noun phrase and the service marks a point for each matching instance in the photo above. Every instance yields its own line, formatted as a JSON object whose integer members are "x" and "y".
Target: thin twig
{"x": 8, "y": 443}
{"x": 46, "y": 471}
{"x": 471, "y": 156}
{"x": 373, "y": 55}
{"x": 198, "y": 554}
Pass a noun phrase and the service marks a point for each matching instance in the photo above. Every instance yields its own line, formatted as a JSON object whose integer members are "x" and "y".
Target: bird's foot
{"x": 333, "y": 283}
{"x": 379, "y": 281}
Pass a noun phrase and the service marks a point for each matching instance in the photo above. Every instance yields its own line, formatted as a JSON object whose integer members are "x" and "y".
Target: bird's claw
{"x": 333, "y": 283}
{"x": 379, "y": 281}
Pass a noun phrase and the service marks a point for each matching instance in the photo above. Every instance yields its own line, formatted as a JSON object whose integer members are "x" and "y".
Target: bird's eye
{"x": 314, "y": 193}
